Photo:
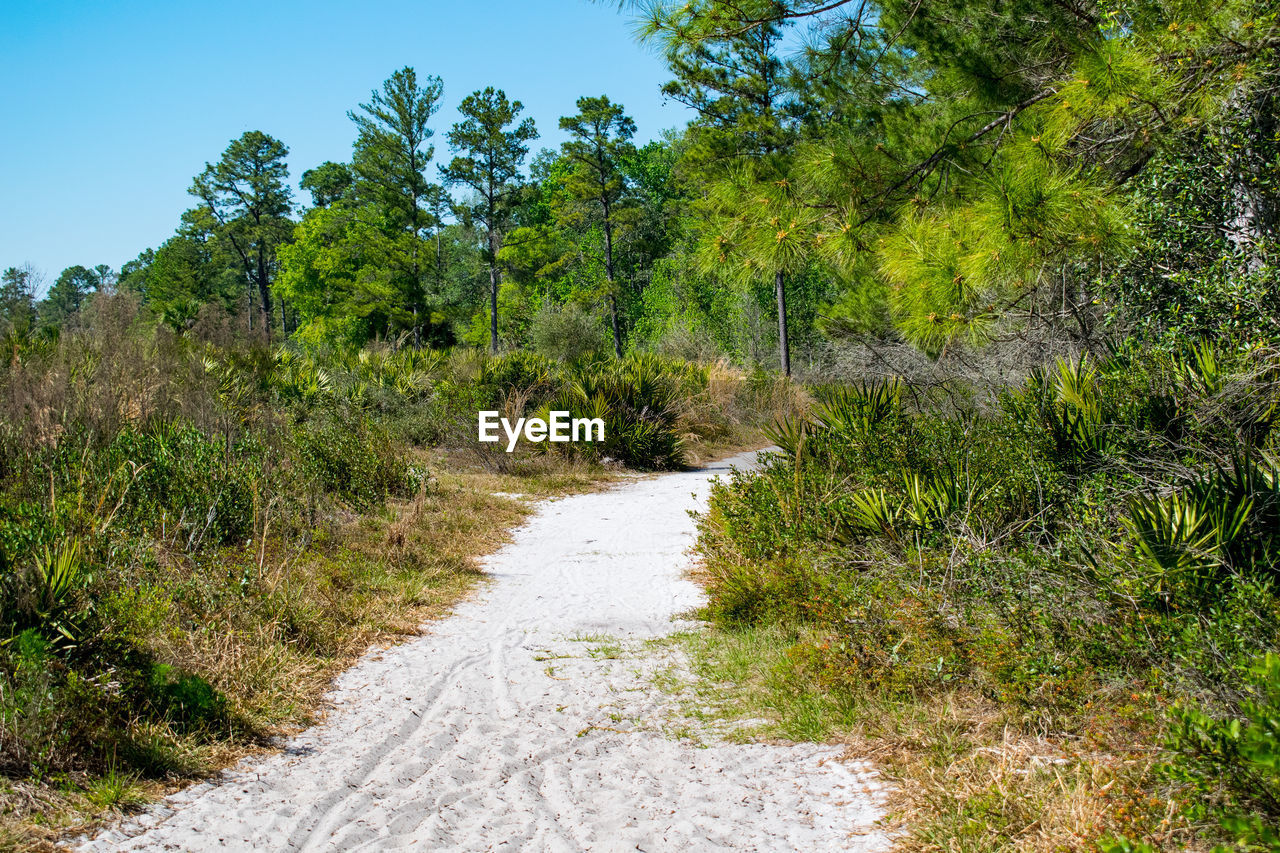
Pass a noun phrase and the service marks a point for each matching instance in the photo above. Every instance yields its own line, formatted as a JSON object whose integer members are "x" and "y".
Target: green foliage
{"x": 193, "y": 270}
{"x": 519, "y": 372}
{"x": 177, "y": 472}
{"x": 1230, "y": 766}
{"x": 1036, "y": 552}
{"x": 1221, "y": 523}
{"x": 247, "y": 196}
{"x": 567, "y": 332}
{"x": 949, "y": 176}
{"x": 56, "y": 582}
{"x": 185, "y": 700}
{"x": 18, "y": 301}
{"x": 327, "y": 182}
{"x": 599, "y": 145}
{"x": 639, "y": 400}
{"x": 489, "y": 166}
{"x": 69, "y": 292}
{"x": 393, "y": 206}
{"x": 1204, "y": 264}
{"x": 352, "y": 457}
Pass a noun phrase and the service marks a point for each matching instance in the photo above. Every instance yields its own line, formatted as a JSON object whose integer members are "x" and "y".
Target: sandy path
{"x": 499, "y": 730}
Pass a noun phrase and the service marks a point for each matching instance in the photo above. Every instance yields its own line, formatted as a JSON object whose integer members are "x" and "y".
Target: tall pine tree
{"x": 248, "y": 196}
{"x": 390, "y": 164}
{"x": 489, "y": 162}
{"x": 599, "y": 143}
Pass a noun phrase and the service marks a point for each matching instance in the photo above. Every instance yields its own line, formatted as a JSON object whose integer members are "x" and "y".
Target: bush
{"x": 350, "y": 456}
{"x": 193, "y": 481}
{"x": 639, "y": 400}
{"x": 186, "y": 701}
{"x": 567, "y": 332}
{"x": 47, "y": 712}
{"x": 1230, "y": 765}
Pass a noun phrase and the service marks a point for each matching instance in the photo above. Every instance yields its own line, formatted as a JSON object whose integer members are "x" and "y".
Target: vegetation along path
{"x": 510, "y": 726}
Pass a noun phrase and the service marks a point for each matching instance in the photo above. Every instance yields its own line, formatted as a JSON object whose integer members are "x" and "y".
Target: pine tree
{"x": 390, "y": 163}
{"x": 745, "y": 133}
{"x": 327, "y": 182}
{"x": 491, "y": 156}
{"x": 247, "y": 194}
{"x": 600, "y": 141}
{"x": 68, "y": 293}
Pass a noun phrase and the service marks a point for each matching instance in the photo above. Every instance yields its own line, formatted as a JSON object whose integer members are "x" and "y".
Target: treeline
{"x": 936, "y": 180}
{"x": 482, "y": 247}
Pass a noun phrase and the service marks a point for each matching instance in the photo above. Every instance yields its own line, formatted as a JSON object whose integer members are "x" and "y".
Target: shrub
{"x": 567, "y": 332}
{"x": 1230, "y": 765}
{"x": 516, "y": 371}
{"x": 184, "y": 700}
{"x": 352, "y": 458}
{"x": 639, "y": 400}
{"x": 175, "y": 472}
{"x": 49, "y": 596}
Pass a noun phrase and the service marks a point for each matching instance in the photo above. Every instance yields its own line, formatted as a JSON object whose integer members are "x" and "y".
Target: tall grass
{"x": 195, "y": 532}
{"x": 1076, "y": 561}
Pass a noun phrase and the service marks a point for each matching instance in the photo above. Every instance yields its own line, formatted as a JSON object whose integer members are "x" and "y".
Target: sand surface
{"x": 514, "y": 725}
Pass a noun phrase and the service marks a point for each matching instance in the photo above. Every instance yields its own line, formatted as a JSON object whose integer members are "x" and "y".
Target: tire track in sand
{"x": 465, "y": 739}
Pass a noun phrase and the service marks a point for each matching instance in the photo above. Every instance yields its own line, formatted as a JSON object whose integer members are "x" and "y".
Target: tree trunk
{"x": 613, "y": 316}
{"x": 493, "y": 307}
{"x": 784, "y": 349}
{"x": 264, "y": 291}
{"x": 608, "y": 268}
{"x": 1252, "y": 207}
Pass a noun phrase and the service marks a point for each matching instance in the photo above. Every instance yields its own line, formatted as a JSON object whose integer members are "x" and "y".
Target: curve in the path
{"x": 496, "y": 731}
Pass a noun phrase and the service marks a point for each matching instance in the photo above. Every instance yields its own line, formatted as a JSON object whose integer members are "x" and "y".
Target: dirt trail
{"x": 509, "y": 725}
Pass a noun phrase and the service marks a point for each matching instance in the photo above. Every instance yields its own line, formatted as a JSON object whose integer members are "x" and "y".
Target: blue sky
{"x": 110, "y": 108}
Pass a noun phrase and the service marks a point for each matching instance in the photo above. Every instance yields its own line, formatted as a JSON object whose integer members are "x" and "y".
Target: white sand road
{"x": 497, "y": 729}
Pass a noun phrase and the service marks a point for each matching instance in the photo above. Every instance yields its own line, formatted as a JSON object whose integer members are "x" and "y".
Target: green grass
{"x": 743, "y": 684}
{"x": 605, "y": 651}
{"x": 963, "y": 776}
{"x": 116, "y": 790}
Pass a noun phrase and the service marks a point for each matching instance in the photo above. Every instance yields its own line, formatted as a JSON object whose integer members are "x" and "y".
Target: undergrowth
{"x": 1053, "y": 617}
{"x": 196, "y": 534}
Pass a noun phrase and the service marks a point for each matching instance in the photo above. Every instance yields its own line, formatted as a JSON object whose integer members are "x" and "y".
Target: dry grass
{"x": 966, "y": 778}
{"x": 965, "y": 775}
{"x": 362, "y": 581}
{"x": 729, "y": 415}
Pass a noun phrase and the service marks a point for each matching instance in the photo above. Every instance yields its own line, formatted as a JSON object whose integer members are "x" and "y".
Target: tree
{"x": 490, "y": 166}
{"x": 738, "y": 85}
{"x": 69, "y": 292}
{"x": 972, "y": 159}
{"x": 1195, "y": 272}
{"x": 248, "y": 195}
{"x": 390, "y": 162}
{"x": 329, "y": 276}
{"x": 18, "y": 286}
{"x": 327, "y": 182}
{"x": 600, "y": 141}
{"x": 193, "y": 268}
{"x": 758, "y": 226}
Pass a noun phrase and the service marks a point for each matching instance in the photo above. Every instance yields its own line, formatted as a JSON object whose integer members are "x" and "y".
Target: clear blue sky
{"x": 110, "y": 108}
